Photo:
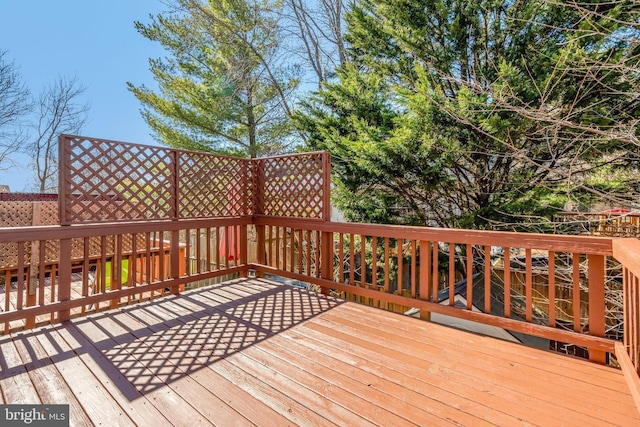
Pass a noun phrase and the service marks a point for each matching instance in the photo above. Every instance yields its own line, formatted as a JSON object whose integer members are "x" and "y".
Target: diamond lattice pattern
{"x": 117, "y": 181}
{"x": 292, "y": 186}
{"x": 211, "y": 186}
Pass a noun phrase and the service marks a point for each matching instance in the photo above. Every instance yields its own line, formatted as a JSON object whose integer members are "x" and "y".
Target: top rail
{"x": 583, "y": 244}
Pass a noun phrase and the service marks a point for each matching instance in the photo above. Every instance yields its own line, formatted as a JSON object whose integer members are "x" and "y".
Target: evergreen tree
{"x": 481, "y": 113}
{"x": 222, "y": 87}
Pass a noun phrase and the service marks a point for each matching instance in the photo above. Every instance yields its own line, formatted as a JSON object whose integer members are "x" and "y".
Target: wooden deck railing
{"x": 627, "y": 251}
{"x": 379, "y": 264}
{"x": 417, "y": 267}
{"x": 55, "y": 283}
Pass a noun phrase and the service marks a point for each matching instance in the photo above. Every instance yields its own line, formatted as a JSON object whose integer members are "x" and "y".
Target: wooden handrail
{"x": 559, "y": 243}
{"x": 52, "y": 232}
{"x": 627, "y": 251}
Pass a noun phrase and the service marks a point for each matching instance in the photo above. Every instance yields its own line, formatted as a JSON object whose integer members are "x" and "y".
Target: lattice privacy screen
{"x": 293, "y": 186}
{"x": 105, "y": 181}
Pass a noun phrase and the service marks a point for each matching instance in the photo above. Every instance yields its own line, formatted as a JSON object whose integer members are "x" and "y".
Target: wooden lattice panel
{"x": 293, "y": 186}
{"x": 115, "y": 181}
{"x": 211, "y": 185}
{"x": 48, "y": 214}
{"x": 16, "y": 214}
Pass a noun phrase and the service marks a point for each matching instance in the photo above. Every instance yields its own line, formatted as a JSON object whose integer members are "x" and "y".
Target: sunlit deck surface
{"x": 254, "y": 352}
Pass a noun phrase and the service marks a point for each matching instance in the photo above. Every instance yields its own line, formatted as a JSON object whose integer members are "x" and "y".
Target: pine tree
{"x": 481, "y": 113}
{"x": 222, "y": 86}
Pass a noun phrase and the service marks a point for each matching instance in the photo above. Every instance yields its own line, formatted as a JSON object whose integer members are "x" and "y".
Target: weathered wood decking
{"x": 252, "y": 351}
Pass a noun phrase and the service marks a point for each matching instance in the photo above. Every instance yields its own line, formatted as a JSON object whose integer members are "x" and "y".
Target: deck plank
{"x": 169, "y": 402}
{"x": 96, "y": 401}
{"x": 274, "y": 400}
{"x": 255, "y": 352}
{"x": 216, "y": 392}
{"x": 134, "y": 403}
{"x": 509, "y": 351}
{"x": 166, "y": 364}
{"x": 46, "y": 378}
{"x": 14, "y": 379}
{"x": 541, "y": 389}
{"x": 584, "y": 375}
{"x": 413, "y": 407}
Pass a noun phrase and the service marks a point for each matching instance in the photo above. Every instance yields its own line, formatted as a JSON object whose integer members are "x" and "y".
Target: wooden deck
{"x": 253, "y": 352}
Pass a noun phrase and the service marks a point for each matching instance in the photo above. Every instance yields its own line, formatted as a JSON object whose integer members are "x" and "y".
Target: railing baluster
{"x": 7, "y": 297}
{"x": 269, "y": 245}
{"x": 217, "y": 248}
{"x": 188, "y": 248}
{"x": 551, "y": 268}
{"x": 386, "y": 264}
{"x": 327, "y": 259}
{"x": 374, "y": 261}
{"x": 20, "y": 299}
{"x": 352, "y": 259}
{"x": 425, "y": 270}
{"x": 42, "y": 272}
{"x": 85, "y": 270}
{"x": 284, "y": 248}
{"x": 277, "y": 247}
{"x": 116, "y": 269}
{"x": 102, "y": 284}
{"x": 363, "y": 260}
{"x": 576, "y": 293}
{"x": 309, "y": 248}
{"x": 293, "y": 250}
{"x": 340, "y": 257}
{"x": 413, "y": 268}
{"x": 528, "y": 285}
{"x": 507, "y": 282}
{"x": 399, "y": 243}
{"x": 318, "y": 244}
{"x": 487, "y": 279}
{"x": 435, "y": 275}
{"x": 300, "y": 250}
{"x": 452, "y": 274}
{"x": 469, "y": 268}
{"x": 208, "y": 248}
{"x": 53, "y": 291}
{"x": 198, "y": 250}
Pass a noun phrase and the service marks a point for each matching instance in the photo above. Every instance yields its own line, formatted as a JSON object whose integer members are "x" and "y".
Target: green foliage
{"x": 479, "y": 113}
{"x": 220, "y": 86}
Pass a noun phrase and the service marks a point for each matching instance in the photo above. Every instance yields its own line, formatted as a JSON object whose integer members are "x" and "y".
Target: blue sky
{"x": 92, "y": 40}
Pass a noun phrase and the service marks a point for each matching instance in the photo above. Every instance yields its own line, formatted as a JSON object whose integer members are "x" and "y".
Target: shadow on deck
{"x": 255, "y": 352}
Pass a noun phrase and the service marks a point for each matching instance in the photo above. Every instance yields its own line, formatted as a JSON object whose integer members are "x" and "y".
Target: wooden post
{"x": 175, "y": 185}
{"x": 596, "y": 303}
{"x": 258, "y": 209}
{"x": 326, "y": 187}
{"x": 327, "y": 259}
{"x": 32, "y": 278}
{"x": 425, "y": 276}
{"x": 63, "y": 178}
{"x": 64, "y": 278}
